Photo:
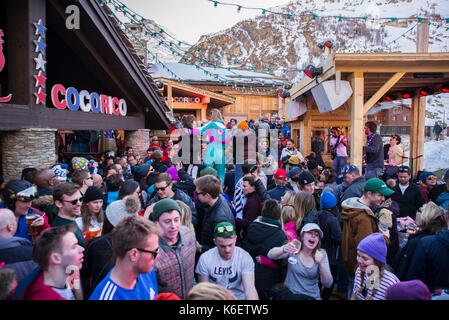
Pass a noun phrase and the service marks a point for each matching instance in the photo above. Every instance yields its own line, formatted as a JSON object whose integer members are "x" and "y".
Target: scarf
{"x": 271, "y": 221}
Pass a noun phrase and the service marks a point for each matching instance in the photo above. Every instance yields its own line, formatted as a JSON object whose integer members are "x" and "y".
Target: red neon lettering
{"x": 55, "y": 97}
{"x": 104, "y": 99}
{"x": 115, "y": 106}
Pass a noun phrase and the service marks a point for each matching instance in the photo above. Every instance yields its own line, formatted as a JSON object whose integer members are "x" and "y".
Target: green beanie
{"x": 162, "y": 206}
{"x": 224, "y": 229}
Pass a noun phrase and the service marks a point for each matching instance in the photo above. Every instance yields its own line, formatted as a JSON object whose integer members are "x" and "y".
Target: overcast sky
{"x": 189, "y": 19}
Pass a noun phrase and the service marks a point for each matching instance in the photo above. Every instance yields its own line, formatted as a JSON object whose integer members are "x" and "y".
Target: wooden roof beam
{"x": 384, "y": 89}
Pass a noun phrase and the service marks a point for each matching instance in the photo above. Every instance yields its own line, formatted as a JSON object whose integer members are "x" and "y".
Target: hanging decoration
{"x": 2, "y": 64}
{"x": 40, "y": 46}
{"x": 314, "y": 15}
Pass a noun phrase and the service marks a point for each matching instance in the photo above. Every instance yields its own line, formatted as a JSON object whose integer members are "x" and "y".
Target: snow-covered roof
{"x": 388, "y": 106}
{"x": 191, "y": 73}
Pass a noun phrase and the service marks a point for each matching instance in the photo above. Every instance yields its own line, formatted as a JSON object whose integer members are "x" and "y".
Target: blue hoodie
{"x": 443, "y": 200}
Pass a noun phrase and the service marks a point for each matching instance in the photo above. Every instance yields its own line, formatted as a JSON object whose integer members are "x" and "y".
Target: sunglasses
{"x": 432, "y": 178}
{"x": 200, "y": 193}
{"x": 74, "y": 202}
{"x": 404, "y": 169}
{"x": 162, "y": 189}
{"x": 154, "y": 253}
{"x": 223, "y": 228}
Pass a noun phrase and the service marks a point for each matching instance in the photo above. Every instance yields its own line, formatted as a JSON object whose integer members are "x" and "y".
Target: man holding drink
{"x": 18, "y": 195}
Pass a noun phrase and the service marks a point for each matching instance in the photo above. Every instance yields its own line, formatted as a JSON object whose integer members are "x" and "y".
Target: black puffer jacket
{"x": 209, "y": 217}
{"x": 261, "y": 238}
{"x": 331, "y": 241}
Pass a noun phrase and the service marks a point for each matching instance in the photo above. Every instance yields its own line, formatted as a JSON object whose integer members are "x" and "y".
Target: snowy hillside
{"x": 286, "y": 45}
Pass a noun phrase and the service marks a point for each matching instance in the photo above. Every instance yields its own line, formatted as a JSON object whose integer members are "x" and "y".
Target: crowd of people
{"x": 214, "y": 214}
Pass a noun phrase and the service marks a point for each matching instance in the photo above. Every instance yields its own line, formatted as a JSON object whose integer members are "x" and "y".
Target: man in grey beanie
{"x": 176, "y": 262}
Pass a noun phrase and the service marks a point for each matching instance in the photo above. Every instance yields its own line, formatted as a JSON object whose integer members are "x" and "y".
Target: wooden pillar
{"x": 170, "y": 97}
{"x": 416, "y": 156}
{"x": 416, "y": 162}
{"x": 306, "y": 130}
{"x": 204, "y": 113}
{"x": 357, "y": 123}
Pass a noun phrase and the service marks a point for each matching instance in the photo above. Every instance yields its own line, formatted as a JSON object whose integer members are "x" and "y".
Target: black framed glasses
{"x": 74, "y": 202}
{"x": 154, "y": 253}
{"x": 200, "y": 193}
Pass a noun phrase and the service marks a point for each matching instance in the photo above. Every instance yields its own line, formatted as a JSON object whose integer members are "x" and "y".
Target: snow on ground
{"x": 436, "y": 153}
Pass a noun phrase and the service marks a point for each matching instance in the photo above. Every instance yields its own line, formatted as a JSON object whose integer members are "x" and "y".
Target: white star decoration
{"x": 40, "y": 62}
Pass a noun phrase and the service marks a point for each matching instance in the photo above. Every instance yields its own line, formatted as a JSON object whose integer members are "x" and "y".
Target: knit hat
{"x": 374, "y": 245}
{"x": 305, "y": 178}
{"x": 242, "y": 125}
{"x": 117, "y": 210}
{"x": 294, "y": 160}
{"x": 375, "y": 184}
{"x": 409, "y": 290}
{"x": 61, "y": 171}
{"x": 224, "y": 229}
{"x": 328, "y": 200}
{"x": 280, "y": 174}
{"x": 79, "y": 163}
{"x": 423, "y": 177}
{"x": 310, "y": 227}
{"x": 173, "y": 173}
{"x": 311, "y": 164}
{"x": 141, "y": 171}
{"x": 208, "y": 171}
{"x": 294, "y": 173}
{"x": 93, "y": 193}
{"x": 348, "y": 169}
{"x": 162, "y": 206}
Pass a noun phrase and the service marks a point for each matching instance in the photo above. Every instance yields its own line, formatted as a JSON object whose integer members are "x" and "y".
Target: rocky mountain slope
{"x": 282, "y": 45}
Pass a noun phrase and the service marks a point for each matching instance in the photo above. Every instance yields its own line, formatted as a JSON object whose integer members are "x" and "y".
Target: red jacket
{"x": 32, "y": 287}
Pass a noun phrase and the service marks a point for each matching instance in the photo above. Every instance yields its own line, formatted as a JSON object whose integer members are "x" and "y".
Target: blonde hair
{"x": 288, "y": 198}
{"x": 303, "y": 203}
{"x": 215, "y": 114}
{"x": 432, "y": 218}
{"x": 209, "y": 291}
{"x": 288, "y": 214}
{"x": 186, "y": 215}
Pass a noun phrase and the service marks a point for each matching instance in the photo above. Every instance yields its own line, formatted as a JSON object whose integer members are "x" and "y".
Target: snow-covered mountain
{"x": 284, "y": 46}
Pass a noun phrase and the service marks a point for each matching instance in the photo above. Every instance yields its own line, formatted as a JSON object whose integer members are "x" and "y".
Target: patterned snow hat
{"x": 79, "y": 163}
{"x": 61, "y": 171}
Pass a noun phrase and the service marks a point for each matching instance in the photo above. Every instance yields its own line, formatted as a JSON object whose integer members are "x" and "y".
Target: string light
{"x": 314, "y": 15}
{"x": 128, "y": 12}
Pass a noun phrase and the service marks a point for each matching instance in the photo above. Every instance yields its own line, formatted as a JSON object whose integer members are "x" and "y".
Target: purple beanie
{"x": 409, "y": 290}
{"x": 374, "y": 245}
{"x": 173, "y": 172}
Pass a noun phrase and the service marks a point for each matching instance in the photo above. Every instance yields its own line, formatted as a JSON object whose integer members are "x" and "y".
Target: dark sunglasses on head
{"x": 74, "y": 202}
{"x": 403, "y": 169}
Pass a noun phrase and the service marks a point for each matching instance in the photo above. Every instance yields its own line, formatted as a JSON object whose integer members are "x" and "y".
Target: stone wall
{"x": 29, "y": 148}
{"x": 139, "y": 140}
